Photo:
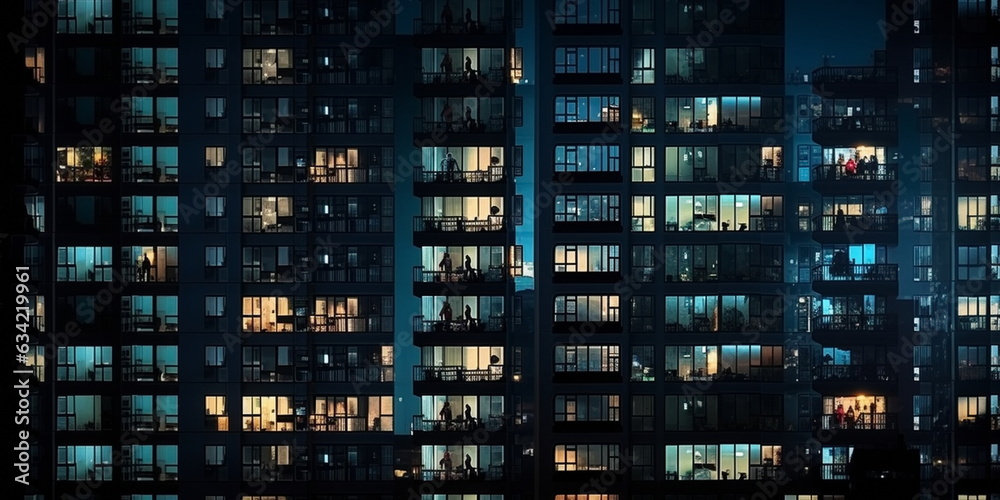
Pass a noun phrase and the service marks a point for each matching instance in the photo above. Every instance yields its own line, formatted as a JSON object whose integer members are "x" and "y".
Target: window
{"x": 215, "y": 306}
{"x": 215, "y": 206}
{"x": 642, "y": 314}
{"x": 587, "y": 158}
{"x": 643, "y": 366}
{"x": 215, "y": 256}
{"x": 923, "y": 213}
{"x": 83, "y": 164}
{"x": 687, "y": 462}
{"x": 84, "y": 264}
{"x": 643, "y": 66}
{"x": 267, "y": 66}
{"x": 589, "y": 308}
{"x": 643, "y": 118}
{"x": 587, "y": 109}
{"x": 974, "y": 263}
{"x": 923, "y": 263}
{"x": 973, "y": 214}
{"x": 586, "y": 457}
{"x": 215, "y": 156}
{"x": 587, "y": 408}
{"x": 587, "y": 208}
{"x": 723, "y": 313}
{"x": 215, "y": 58}
{"x": 644, "y": 263}
{"x": 215, "y": 455}
{"x": 591, "y": 12}
{"x": 215, "y": 107}
{"x": 587, "y": 60}
{"x": 215, "y": 363}
{"x": 923, "y": 412}
{"x": 92, "y": 17}
{"x": 694, "y": 163}
{"x": 643, "y": 164}
{"x": 587, "y": 358}
{"x": 643, "y": 413}
{"x": 267, "y": 463}
{"x": 85, "y": 364}
{"x": 267, "y": 214}
{"x": 34, "y": 59}
{"x": 714, "y": 213}
{"x": 84, "y": 463}
{"x": 643, "y": 214}
{"x": 923, "y": 67}
{"x": 587, "y": 259}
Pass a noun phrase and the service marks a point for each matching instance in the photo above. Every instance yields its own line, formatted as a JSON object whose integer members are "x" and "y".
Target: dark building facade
{"x": 741, "y": 277}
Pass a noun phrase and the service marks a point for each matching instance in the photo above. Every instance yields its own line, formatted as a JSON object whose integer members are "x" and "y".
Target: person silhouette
{"x": 447, "y": 17}
{"x": 147, "y": 266}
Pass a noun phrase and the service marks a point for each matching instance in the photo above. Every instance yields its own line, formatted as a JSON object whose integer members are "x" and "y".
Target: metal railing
{"x": 452, "y": 224}
{"x": 863, "y": 123}
{"x": 492, "y": 423}
{"x": 856, "y": 272}
{"x": 863, "y": 172}
{"x": 495, "y": 173}
{"x": 491, "y": 125}
{"x": 494, "y": 274}
{"x": 493, "y": 324}
{"x": 858, "y": 373}
{"x": 427, "y": 373}
{"x": 854, "y": 74}
{"x": 854, "y": 224}
{"x": 854, "y": 322}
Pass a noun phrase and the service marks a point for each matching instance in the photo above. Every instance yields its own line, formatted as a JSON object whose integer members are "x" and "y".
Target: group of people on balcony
{"x": 469, "y": 323}
{"x": 467, "y": 422}
{"x": 450, "y": 472}
{"x": 447, "y": 66}
{"x": 448, "y": 19}
{"x": 851, "y": 419}
{"x": 864, "y": 168}
{"x": 468, "y": 124}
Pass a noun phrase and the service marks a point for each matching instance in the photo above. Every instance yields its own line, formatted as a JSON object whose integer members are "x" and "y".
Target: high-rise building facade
{"x": 346, "y": 184}
{"x": 660, "y": 284}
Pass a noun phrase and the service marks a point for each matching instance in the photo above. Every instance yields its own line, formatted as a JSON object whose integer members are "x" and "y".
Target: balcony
{"x": 149, "y": 223}
{"x": 837, "y": 179}
{"x": 862, "y": 81}
{"x": 440, "y": 32}
{"x": 857, "y": 229}
{"x": 981, "y": 323}
{"x": 475, "y": 132}
{"x": 842, "y": 130}
{"x": 459, "y": 332}
{"x": 493, "y": 81}
{"x": 460, "y": 281}
{"x": 447, "y": 380}
{"x": 849, "y": 329}
{"x": 458, "y": 230}
{"x": 758, "y": 125}
{"x": 489, "y": 182}
{"x": 838, "y": 277}
{"x": 861, "y": 422}
{"x": 743, "y": 374}
{"x": 979, "y": 373}
{"x": 979, "y": 173}
{"x": 430, "y": 431}
{"x": 854, "y": 379}
{"x": 142, "y": 323}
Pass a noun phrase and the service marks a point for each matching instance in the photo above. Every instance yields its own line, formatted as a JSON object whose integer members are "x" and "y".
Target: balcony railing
{"x": 495, "y": 26}
{"x": 854, "y": 74}
{"x": 859, "y": 272}
{"x": 493, "y": 324}
{"x": 755, "y": 125}
{"x": 869, "y": 172}
{"x": 751, "y": 374}
{"x": 491, "y": 424}
{"x": 149, "y": 223}
{"x": 495, "y": 173}
{"x": 427, "y": 373}
{"x": 343, "y": 423}
{"x": 457, "y": 223}
{"x": 854, "y": 322}
{"x": 460, "y": 473}
{"x": 149, "y": 322}
{"x": 979, "y": 323}
{"x": 854, "y": 224}
{"x": 494, "y": 76}
{"x": 859, "y": 373}
{"x": 492, "y": 125}
{"x": 863, "y": 123}
{"x": 494, "y": 274}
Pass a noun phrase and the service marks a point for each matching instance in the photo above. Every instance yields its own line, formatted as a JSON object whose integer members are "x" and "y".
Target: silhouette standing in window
{"x": 470, "y": 123}
{"x": 446, "y": 313}
{"x": 470, "y": 73}
{"x": 469, "y": 22}
{"x": 447, "y": 17}
{"x": 447, "y": 116}
{"x": 447, "y": 66}
{"x": 450, "y": 165}
{"x": 445, "y": 266}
